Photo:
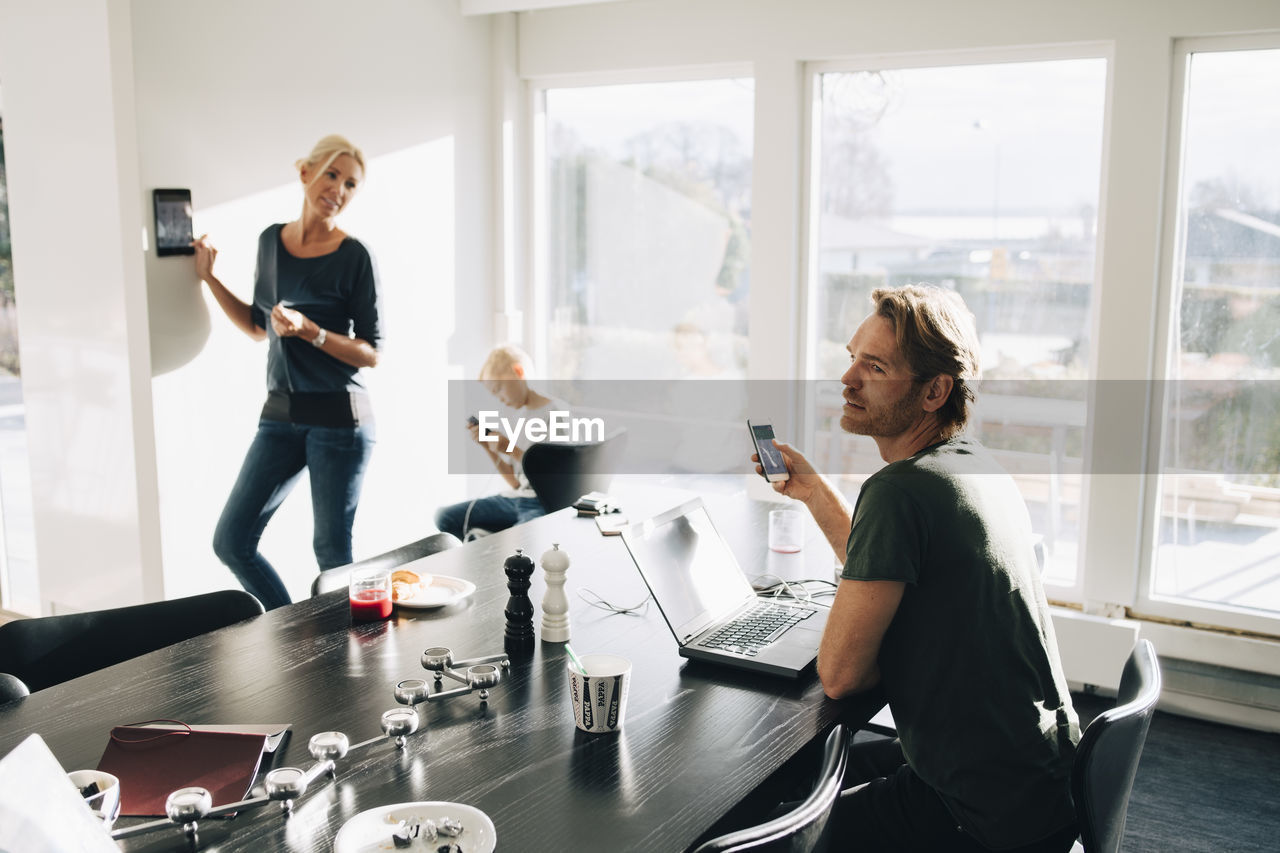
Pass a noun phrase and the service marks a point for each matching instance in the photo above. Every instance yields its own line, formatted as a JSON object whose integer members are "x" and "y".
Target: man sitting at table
{"x": 939, "y": 604}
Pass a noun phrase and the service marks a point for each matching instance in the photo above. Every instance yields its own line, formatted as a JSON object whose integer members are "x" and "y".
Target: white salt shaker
{"x": 555, "y": 605}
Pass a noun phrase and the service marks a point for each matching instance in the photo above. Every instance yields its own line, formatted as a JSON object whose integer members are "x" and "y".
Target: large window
{"x": 982, "y": 179}
{"x": 645, "y": 252}
{"x": 1217, "y": 537}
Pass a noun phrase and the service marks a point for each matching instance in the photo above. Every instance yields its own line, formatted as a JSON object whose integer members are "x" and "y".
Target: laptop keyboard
{"x": 755, "y": 629}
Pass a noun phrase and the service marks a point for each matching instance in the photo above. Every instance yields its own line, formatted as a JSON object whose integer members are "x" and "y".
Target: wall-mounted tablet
{"x": 173, "y": 222}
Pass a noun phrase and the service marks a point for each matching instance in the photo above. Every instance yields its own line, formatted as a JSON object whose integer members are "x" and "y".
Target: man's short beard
{"x": 904, "y": 413}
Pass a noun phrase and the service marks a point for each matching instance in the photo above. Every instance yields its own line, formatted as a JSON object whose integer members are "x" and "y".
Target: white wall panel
{"x": 71, "y": 159}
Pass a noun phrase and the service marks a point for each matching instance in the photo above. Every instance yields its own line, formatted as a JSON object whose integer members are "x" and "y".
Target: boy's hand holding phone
{"x": 473, "y": 427}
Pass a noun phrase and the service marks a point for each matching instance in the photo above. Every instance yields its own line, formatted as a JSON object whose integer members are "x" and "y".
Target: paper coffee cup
{"x": 599, "y": 698}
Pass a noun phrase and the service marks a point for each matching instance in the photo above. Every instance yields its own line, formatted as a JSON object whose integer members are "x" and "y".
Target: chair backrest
{"x": 12, "y": 687}
{"x": 562, "y": 472}
{"x": 337, "y": 577}
{"x": 48, "y": 650}
{"x": 1107, "y": 757}
{"x": 801, "y": 829}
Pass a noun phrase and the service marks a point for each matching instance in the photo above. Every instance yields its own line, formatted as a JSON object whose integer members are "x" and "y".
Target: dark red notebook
{"x": 152, "y": 763}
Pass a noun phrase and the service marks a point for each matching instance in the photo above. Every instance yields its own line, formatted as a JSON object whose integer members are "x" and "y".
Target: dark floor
{"x": 1201, "y": 787}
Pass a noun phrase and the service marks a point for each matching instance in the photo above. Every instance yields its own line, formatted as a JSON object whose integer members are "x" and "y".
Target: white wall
{"x": 70, "y": 153}
{"x": 228, "y": 96}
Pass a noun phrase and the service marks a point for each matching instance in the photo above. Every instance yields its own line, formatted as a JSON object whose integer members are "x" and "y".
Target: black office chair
{"x": 48, "y": 650}
{"x": 1107, "y": 757}
{"x": 12, "y": 687}
{"x": 560, "y": 473}
{"x": 339, "y": 576}
{"x": 800, "y": 830}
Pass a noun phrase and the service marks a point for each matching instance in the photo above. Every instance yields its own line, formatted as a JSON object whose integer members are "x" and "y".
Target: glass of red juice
{"x": 370, "y": 595}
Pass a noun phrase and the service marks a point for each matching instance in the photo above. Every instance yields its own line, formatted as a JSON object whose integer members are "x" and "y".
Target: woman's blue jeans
{"x": 335, "y": 457}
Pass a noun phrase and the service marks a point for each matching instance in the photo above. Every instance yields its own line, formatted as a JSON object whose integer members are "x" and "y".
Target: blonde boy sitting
{"x": 505, "y": 374}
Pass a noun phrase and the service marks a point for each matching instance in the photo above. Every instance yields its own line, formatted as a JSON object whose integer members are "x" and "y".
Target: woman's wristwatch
{"x": 318, "y": 340}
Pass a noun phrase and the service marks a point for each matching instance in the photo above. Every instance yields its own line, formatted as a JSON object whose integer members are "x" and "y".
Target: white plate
{"x": 371, "y": 830}
{"x": 442, "y": 591}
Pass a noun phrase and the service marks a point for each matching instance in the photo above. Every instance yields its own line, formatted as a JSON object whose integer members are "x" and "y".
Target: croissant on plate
{"x": 405, "y": 584}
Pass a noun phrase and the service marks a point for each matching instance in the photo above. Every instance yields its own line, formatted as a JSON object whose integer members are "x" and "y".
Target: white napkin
{"x": 40, "y": 809}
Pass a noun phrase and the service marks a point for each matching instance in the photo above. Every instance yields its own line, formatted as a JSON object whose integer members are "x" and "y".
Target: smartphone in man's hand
{"x": 775, "y": 470}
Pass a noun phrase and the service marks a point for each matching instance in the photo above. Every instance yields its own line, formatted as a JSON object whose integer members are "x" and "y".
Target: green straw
{"x": 577, "y": 663}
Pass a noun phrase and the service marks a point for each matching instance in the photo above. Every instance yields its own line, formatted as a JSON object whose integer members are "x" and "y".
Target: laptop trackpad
{"x": 800, "y": 642}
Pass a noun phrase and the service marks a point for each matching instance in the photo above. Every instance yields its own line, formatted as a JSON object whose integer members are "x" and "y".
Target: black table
{"x": 696, "y": 738}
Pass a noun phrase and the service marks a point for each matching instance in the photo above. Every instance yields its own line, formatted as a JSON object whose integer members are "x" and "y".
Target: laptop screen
{"x": 690, "y": 570}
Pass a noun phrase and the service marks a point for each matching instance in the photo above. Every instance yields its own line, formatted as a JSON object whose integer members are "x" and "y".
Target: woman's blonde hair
{"x": 327, "y": 150}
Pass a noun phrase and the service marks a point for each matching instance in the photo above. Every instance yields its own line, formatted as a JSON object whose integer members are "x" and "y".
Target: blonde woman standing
{"x": 316, "y": 303}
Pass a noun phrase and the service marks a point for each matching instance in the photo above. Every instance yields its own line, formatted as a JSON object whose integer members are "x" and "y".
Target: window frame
{"x": 1165, "y": 341}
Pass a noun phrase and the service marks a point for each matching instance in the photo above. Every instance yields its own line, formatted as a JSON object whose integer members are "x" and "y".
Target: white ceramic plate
{"x": 442, "y": 591}
{"x": 371, "y": 830}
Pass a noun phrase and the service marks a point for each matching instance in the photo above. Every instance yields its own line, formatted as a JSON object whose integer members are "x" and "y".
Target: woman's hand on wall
{"x": 206, "y": 254}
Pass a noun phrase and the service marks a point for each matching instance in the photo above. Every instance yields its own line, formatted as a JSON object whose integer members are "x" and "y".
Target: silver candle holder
{"x": 399, "y": 723}
{"x": 475, "y": 674}
{"x": 186, "y": 807}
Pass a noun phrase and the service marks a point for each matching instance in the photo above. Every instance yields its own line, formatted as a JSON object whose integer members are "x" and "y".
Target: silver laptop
{"x": 709, "y": 603}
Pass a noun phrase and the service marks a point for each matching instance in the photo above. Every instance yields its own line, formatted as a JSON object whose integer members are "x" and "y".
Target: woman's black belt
{"x": 319, "y": 408}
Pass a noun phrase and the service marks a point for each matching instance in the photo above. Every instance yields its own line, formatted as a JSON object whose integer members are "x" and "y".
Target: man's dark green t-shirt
{"x": 969, "y": 663}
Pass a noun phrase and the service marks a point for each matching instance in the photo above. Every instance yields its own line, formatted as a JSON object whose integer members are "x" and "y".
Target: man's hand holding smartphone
{"x": 803, "y": 481}
{"x": 772, "y": 465}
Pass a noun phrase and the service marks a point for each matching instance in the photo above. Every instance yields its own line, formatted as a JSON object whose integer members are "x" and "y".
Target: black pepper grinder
{"x": 519, "y": 633}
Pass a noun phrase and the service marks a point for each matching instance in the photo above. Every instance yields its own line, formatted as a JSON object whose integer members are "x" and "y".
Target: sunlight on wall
{"x": 406, "y": 216}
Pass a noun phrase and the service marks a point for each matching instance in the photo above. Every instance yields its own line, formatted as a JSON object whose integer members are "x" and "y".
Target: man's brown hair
{"x": 937, "y": 336}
